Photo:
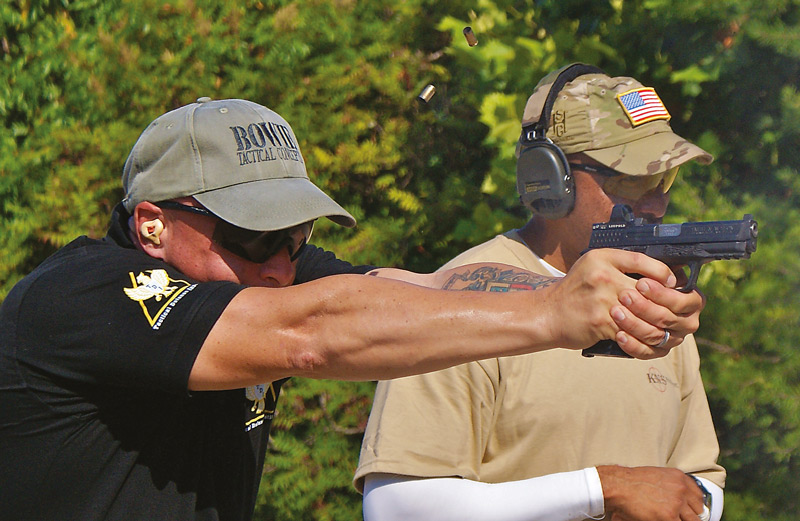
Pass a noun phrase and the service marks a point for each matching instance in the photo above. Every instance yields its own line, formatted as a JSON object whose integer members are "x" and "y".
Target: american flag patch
{"x": 642, "y": 105}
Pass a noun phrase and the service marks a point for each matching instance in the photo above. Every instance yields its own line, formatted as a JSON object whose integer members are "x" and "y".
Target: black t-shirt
{"x": 96, "y": 346}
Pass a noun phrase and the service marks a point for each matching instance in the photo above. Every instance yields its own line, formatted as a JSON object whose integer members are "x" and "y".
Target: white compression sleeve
{"x": 566, "y": 496}
{"x": 717, "y": 498}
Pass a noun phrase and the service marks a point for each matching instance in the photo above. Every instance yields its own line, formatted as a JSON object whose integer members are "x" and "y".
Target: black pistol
{"x": 689, "y": 244}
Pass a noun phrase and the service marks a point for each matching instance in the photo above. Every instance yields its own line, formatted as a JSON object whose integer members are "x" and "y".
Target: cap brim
{"x": 637, "y": 157}
{"x": 273, "y": 204}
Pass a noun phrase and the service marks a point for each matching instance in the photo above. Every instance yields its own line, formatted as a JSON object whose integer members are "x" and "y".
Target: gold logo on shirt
{"x": 258, "y": 394}
{"x": 264, "y": 397}
{"x": 164, "y": 292}
{"x": 154, "y": 285}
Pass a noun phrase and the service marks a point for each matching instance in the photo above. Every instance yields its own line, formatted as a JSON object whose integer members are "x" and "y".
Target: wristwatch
{"x": 706, "y": 515}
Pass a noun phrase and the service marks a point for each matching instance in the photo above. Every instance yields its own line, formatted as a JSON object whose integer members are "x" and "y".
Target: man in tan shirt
{"x": 553, "y": 435}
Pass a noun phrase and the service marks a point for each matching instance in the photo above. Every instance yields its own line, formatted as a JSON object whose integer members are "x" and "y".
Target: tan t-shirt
{"x": 519, "y": 417}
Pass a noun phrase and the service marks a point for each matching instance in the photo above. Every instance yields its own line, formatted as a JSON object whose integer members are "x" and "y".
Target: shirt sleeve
{"x": 315, "y": 263}
{"x": 696, "y": 448}
{"x": 121, "y": 320}
{"x": 411, "y": 427}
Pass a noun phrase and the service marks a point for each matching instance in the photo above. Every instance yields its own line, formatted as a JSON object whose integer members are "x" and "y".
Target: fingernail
{"x": 617, "y": 313}
{"x": 643, "y": 287}
{"x": 626, "y": 299}
{"x": 671, "y": 281}
{"x": 622, "y": 338}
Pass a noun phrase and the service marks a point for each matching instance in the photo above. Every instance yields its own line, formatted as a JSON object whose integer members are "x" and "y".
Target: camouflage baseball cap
{"x": 616, "y": 121}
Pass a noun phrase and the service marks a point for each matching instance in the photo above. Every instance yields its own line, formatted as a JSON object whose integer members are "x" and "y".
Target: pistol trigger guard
{"x": 694, "y": 273}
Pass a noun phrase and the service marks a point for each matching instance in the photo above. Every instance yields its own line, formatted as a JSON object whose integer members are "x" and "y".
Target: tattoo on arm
{"x": 487, "y": 278}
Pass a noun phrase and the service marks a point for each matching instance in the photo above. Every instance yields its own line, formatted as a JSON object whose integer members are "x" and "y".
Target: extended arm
{"x": 361, "y": 328}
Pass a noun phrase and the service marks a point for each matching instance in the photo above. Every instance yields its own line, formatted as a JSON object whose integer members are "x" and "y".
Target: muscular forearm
{"x": 567, "y": 496}
{"x": 355, "y": 327}
{"x": 366, "y": 328}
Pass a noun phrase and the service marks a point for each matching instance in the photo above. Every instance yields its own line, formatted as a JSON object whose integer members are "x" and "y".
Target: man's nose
{"x": 278, "y": 269}
{"x": 652, "y": 206}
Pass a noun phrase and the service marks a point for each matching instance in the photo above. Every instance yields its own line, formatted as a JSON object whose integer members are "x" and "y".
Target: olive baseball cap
{"x": 616, "y": 121}
{"x": 237, "y": 158}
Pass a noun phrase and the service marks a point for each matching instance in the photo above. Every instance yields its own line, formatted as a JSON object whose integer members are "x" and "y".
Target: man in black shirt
{"x": 139, "y": 373}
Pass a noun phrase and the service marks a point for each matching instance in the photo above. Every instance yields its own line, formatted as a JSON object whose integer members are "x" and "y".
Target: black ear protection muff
{"x": 544, "y": 180}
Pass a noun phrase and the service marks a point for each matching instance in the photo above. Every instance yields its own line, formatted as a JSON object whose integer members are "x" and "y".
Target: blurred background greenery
{"x": 81, "y": 79}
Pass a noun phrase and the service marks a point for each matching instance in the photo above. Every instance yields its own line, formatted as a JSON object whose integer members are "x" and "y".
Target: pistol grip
{"x": 605, "y": 348}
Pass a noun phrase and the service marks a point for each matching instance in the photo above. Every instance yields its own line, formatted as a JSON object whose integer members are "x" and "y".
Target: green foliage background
{"x": 80, "y": 79}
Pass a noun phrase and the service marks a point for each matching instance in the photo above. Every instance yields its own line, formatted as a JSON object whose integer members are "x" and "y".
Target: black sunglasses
{"x": 253, "y": 245}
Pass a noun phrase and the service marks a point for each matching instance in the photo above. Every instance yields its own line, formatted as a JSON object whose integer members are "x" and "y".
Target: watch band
{"x": 706, "y": 515}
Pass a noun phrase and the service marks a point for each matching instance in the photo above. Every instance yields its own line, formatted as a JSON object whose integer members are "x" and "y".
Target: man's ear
{"x": 147, "y": 228}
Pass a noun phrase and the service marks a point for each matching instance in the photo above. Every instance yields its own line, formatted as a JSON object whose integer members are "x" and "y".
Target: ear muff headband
{"x": 544, "y": 180}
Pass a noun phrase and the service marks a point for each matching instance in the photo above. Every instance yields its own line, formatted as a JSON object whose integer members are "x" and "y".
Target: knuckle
{"x": 599, "y": 322}
{"x": 694, "y": 323}
{"x": 598, "y": 277}
{"x": 684, "y": 325}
